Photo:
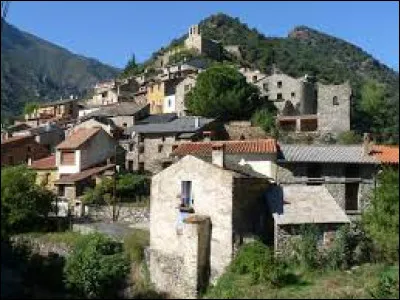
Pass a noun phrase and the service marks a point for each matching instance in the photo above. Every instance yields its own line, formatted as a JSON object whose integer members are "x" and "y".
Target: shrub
{"x": 135, "y": 245}
{"x": 96, "y": 267}
{"x": 349, "y": 137}
{"x": 260, "y": 262}
{"x": 305, "y": 251}
{"x": 381, "y": 219}
{"x": 387, "y": 287}
{"x": 265, "y": 118}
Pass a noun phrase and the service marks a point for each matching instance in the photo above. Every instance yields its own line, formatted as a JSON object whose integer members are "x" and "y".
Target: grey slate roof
{"x": 178, "y": 125}
{"x": 304, "y": 204}
{"x": 325, "y": 154}
{"x": 158, "y": 119}
{"x": 118, "y": 109}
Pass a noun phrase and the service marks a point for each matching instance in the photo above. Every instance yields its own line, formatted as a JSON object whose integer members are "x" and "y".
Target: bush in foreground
{"x": 97, "y": 267}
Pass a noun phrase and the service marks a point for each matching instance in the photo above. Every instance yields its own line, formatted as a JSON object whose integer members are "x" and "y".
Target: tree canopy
{"x": 221, "y": 91}
{"x": 22, "y": 201}
{"x": 381, "y": 219}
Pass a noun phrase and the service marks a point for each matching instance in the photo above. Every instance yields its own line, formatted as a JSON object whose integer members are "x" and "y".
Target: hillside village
{"x": 216, "y": 184}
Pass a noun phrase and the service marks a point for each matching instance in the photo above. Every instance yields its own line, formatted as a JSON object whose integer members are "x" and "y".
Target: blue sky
{"x": 111, "y": 31}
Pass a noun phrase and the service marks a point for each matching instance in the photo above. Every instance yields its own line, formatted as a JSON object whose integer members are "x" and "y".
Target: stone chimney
{"x": 367, "y": 144}
{"x": 218, "y": 154}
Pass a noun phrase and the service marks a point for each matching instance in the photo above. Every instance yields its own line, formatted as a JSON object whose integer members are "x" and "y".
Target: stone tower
{"x": 308, "y": 97}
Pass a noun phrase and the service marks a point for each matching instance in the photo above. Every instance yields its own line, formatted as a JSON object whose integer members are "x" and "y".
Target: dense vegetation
{"x": 221, "y": 91}
{"x": 35, "y": 70}
{"x": 24, "y": 205}
{"x": 96, "y": 267}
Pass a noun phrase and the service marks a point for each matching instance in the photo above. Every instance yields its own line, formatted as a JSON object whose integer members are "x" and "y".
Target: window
{"x": 266, "y": 98}
{"x": 186, "y": 194}
{"x": 130, "y": 147}
{"x": 28, "y": 149}
{"x": 279, "y": 84}
{"x": 335, "y": 100}
{"x": 254, "y": 79}
{"x": 160, "y": 148}
{"x": 279, "y": 96}
{"x": 163, "y": 138}
{"x": 351, "y": 196}
{"x": 130, "y": 165}
{"x": 103, "y": 95}
{"x": 141, "y": 167}
{"x": 169, "y": 102}
{"x": 61, "y": 190}
{"x": 293, "y": 94}
{"x": 265, "y": 87}
{"x": 68, "y": 158}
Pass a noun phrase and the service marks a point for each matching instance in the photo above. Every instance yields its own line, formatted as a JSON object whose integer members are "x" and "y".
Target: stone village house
{"x": 149, "y": 143}
{"x": 204, "y": 207}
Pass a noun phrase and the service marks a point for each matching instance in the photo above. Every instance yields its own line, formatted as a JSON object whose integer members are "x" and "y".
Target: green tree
{"x": 132, "y": 68}
{"x": 266, "y": 119}
{"x": 97, "y": 267}
{"x": 349, "y": 138}
{"x": 381, "y": 219}
{"x": 30, "y": 107}
{"x": 221, "y": 91}
{"x": 23, "y": 203}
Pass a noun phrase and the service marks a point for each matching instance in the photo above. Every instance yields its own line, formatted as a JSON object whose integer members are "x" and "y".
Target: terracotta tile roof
{"x": 249, "y": 146}
{"x": 46, "y": 163}
{"x": 78, "y": 137}
{"x": 386, "y": 154}
{"x": 16, "y": 139}
{"x": 84, "y": 174}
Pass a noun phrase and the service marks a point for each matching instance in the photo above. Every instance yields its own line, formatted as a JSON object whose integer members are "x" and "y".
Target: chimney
{"x": 367, "y": 144}
{"x": 196, "y": 122}
{"x": 218, "y": 154}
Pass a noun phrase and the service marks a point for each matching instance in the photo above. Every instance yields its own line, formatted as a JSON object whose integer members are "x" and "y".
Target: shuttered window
{"x": 68, "y": 158}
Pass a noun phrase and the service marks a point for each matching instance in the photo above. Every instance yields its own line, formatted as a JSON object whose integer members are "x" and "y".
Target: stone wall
{"x": 334, "y": 179}
{"x": 236, "y": 129}
{"x": 286, "y": 236}
{"x": 334, "y": 117}
{"x": 126, "y": 213}
{"x": 40, "y": 247}
{"x": 212, "y": 196}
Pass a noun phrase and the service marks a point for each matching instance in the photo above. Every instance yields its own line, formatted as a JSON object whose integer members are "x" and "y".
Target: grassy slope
{"x": 312, "y": 285}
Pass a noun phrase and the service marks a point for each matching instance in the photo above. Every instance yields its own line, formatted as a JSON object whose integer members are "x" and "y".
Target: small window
{"x": 29, "y": 149}
{"x": 279, "y": 84}
{"x": 266, "y": 98}
{"x": 169, "y": 103}
{"x": 124, "y": 125}
{"x": 293, "y": 94}
{"x": 186, "y": 194}
{"x": 335, "y": 100}
{"x": 265, "y": 87}
{"x": 61, "y": 190}
{"x": 279, "y": 96}
{"x": 163, "y": 138}
{"x": 254, "y": 78}
{"x": 130, "y": 147}
{"x": 104, "y": 94}
{"x": 160, "y": 148}
{"x": 141, "y": 167}
{"x": 141, "y": 149}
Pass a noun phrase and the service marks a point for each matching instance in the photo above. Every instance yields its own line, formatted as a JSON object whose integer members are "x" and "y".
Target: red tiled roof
{"x": 78, "y": 137}
{"x": 46, "y": 163}
{"x": 247, "y": 146}
{"x": 15, "y": 139}
{"x": 84, "y": 174}
{"x": 386, "y": 154}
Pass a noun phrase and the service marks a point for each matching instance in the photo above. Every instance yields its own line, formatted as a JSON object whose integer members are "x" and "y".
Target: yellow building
{"x": 155, "y": 96}
{"x": 157, "y": 91}
{"x": 46, "y": 171}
